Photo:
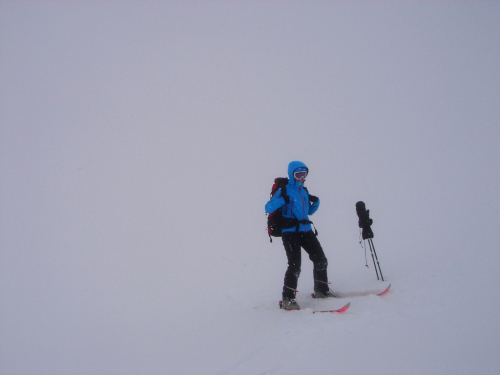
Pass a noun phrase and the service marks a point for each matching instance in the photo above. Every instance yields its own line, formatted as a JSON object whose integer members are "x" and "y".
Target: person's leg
{"x": 312, "y": 246}
{"x": 293, "y": 253}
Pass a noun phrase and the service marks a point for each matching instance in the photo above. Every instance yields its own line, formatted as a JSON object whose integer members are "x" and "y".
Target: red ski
{"x": 385, "y": 291}
{"x": 342, "y": 309}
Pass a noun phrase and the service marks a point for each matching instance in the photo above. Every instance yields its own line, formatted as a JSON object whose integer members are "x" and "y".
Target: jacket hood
{"x": 293, "y": 166}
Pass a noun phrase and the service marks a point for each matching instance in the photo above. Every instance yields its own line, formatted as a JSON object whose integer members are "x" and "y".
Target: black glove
{"x": 367, "y": 232}
{"x": 313, "y": 198}
{"x": 365, "y": 223}
{"x": 364, "y": 220}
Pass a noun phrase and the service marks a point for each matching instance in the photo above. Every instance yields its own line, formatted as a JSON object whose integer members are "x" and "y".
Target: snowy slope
{"x": 138, "y": 146}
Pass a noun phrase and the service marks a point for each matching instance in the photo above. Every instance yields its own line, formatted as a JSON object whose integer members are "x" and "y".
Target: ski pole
{"x": 372, "y": 248}
{"x": 373, "y": 258}
{"x": 367, "y": 234}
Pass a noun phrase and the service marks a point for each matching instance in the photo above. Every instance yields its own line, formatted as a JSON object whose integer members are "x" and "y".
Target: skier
{"x": 296, "y": 206}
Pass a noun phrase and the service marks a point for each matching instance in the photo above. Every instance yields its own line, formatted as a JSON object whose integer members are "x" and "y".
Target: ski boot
{"x": 327, "y": 294}
{"x": 289, "y": 304}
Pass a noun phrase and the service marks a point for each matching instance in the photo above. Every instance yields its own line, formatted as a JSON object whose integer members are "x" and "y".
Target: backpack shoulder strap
{"x": 281, "y": 184}
{"x": 283, "y": 190}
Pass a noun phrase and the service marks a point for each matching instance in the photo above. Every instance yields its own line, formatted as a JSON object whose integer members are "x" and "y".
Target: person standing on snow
{"x": 296, "y": 206}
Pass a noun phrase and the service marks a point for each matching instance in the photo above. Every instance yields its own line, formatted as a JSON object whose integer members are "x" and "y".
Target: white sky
{"x": 161, "y": 125}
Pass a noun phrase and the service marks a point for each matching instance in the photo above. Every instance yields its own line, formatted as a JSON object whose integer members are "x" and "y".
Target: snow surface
{"x": 138, "y": 144}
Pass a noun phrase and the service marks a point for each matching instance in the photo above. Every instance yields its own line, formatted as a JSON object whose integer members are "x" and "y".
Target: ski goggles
{"x": 300, "y": 175}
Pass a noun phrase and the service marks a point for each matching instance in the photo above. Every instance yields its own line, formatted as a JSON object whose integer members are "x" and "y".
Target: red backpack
{"x": 275, "y": 219}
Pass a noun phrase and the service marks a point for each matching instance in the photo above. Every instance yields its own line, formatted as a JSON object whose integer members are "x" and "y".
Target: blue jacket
{"x": 299, "y": 207}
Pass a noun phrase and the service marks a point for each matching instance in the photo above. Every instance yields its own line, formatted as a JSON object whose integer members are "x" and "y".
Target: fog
{"x": 138, "y": 145}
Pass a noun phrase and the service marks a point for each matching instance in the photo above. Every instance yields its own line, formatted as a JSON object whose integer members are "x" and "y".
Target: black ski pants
{"x": 293, "y": 242}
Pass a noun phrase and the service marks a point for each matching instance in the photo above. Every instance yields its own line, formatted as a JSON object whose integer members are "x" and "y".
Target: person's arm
{"x": 277, "y": 201}
{"x": 313, "y": 204}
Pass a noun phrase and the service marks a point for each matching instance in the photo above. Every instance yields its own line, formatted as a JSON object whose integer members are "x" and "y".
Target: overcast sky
{"x": 161, "y": 126}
